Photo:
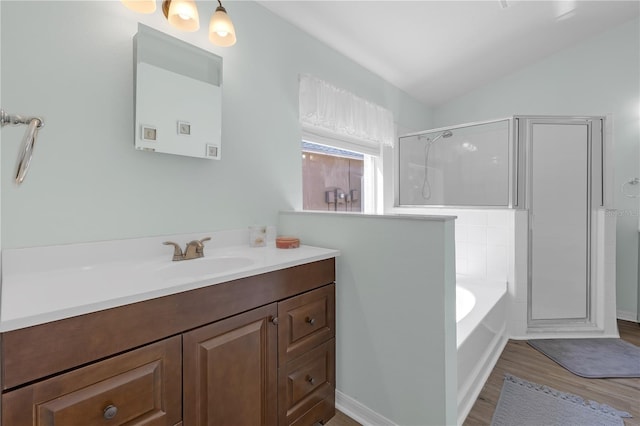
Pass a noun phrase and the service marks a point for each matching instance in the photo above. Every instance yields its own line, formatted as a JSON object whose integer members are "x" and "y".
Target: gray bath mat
{"x": 524, "y": 403}
{"x": 593, "y": 358}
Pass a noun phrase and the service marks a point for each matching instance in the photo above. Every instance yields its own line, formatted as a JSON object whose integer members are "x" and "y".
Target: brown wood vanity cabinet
{"x": 142, "y": 386}
{"x": 255, "y": 351}
{"x": 306, "y": 357}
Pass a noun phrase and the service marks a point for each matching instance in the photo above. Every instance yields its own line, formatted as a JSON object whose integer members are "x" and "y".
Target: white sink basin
{"x": 42, "y": 284}
{"x": 204, "y": 266}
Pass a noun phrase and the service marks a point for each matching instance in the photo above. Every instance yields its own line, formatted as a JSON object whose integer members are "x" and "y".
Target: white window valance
{"x": 336, "y": 113}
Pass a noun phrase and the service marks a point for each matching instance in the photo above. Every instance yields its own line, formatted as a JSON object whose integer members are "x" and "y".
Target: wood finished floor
{"x": 341, "y": 419}
{"x": 521, "y": 360}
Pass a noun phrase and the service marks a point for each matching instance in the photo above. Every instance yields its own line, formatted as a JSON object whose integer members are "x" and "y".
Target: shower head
{"x": 426, "y": 187}
{"x": 445, "y": 134}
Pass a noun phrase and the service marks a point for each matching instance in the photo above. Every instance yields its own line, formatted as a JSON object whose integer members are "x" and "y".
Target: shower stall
{"x": 548, "y": 176}
{"x": 534, "y": 242}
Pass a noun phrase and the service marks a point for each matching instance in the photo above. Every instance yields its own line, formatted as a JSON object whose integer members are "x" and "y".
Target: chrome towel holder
{"x": 34, "y": 124}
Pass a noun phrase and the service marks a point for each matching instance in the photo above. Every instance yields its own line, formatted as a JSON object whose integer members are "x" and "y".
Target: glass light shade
{"x": 183, "y": 14}
{"x": 221, "y": 31}
{"x": 140, "y": 6}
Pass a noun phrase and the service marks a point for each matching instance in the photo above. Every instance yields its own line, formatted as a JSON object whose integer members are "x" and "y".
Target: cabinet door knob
{"x": 311, "y": 321}
{"x": 311, "y": 380}
{"x": 274, "y": 320}
{"x": 110, "y": 412}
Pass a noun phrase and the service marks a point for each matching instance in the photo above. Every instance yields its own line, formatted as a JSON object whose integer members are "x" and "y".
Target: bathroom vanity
{"x": 254, "y": 350}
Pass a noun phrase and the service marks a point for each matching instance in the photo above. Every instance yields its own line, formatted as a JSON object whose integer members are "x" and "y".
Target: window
{"x": 337, "y": 179}
{"x": 331, "y": 178}
{"x": 343, "y": 136}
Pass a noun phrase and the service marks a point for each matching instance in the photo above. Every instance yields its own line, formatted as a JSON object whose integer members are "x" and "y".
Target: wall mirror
{"x": 178, "y": 99}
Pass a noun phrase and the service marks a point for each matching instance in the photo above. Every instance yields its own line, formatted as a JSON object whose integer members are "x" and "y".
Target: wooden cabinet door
{"x": 141, "y": 387}
{"x": 230, "y": 371}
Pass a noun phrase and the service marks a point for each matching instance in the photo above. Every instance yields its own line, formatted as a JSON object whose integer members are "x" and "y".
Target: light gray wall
{"x": 0, "y": 163}
{"x": 395, "y": 310}
{"x": 596, "y": 77}
{"x": 71, "y": 62}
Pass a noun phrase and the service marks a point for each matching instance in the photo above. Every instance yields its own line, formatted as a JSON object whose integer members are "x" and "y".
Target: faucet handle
{"x": 177, "y": 251}
{"x": 200, "y": 247}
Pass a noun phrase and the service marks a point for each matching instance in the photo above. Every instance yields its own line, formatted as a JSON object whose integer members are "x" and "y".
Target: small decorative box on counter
{"x": 287, "y": 242}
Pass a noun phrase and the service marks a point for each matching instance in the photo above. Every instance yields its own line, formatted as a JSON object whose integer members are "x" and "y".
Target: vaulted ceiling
{"x": 438, "y": 50}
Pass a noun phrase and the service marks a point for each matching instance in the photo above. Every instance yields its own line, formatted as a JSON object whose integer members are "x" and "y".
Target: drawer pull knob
{"x": 110, "y": 412}
{"x": 274, "y": 320}
{"x": 311, "y": 380}
{"x": 311, "y": 321}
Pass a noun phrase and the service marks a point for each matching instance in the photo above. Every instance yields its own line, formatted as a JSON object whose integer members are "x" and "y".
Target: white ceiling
{"x": 437, "y": 50}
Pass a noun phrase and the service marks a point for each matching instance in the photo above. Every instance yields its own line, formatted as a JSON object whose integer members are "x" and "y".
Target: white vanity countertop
{"x": 44, "y": 284}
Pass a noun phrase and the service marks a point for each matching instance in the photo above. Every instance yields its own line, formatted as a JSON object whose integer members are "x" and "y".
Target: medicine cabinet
{"x": 178, "y": 99}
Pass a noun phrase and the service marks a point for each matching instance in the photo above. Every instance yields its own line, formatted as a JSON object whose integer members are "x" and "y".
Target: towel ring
{"x": 34, "y": 124}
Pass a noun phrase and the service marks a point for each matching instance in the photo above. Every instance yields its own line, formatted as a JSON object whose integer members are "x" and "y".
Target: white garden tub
{"x": 481, "y": 336}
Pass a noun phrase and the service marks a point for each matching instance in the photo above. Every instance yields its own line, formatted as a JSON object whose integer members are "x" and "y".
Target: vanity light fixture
{"x": 183, "y": 14}
{"x": 140, "y": 6}
{"x": 221, "y": 30}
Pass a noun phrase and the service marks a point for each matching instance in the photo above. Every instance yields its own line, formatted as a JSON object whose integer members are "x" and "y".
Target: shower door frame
{"x": 595, "y": 199}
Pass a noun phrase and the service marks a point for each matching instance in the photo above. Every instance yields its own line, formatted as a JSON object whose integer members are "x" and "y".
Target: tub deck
{"x": 481, "y": 337}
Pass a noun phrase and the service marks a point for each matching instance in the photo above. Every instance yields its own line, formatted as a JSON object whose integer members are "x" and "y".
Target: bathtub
{"x": 481, "y": 336}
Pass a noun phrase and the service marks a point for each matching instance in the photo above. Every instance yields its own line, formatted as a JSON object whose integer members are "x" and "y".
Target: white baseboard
{"x": 367, "y": 417}
{"x": 360, "y": 412}
{"x": 627, "y": 316}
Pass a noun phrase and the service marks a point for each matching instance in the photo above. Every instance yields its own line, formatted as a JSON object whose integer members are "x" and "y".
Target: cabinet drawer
{"x": 305, "y": 321}
{"x": 306, "y": 382}
{"x": 141, "y": 387}
{"x": 320, "y": 413}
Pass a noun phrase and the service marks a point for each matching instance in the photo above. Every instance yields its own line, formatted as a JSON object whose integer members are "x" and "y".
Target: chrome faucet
{"x": 194, "y": 249}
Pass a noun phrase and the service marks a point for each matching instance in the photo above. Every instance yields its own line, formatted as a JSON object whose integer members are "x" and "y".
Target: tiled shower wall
{"x": 484, "y": 243}
{"x": 484, "y": 239}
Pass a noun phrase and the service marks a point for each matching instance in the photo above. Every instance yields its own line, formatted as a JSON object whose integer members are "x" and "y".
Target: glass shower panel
{"x": 458, "y": 166}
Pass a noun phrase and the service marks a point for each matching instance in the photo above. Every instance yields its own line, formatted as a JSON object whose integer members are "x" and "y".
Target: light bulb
{"x": 140, "y": 6}
{"x": 221, "y": 30}
{"x": 183, "y": 14}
